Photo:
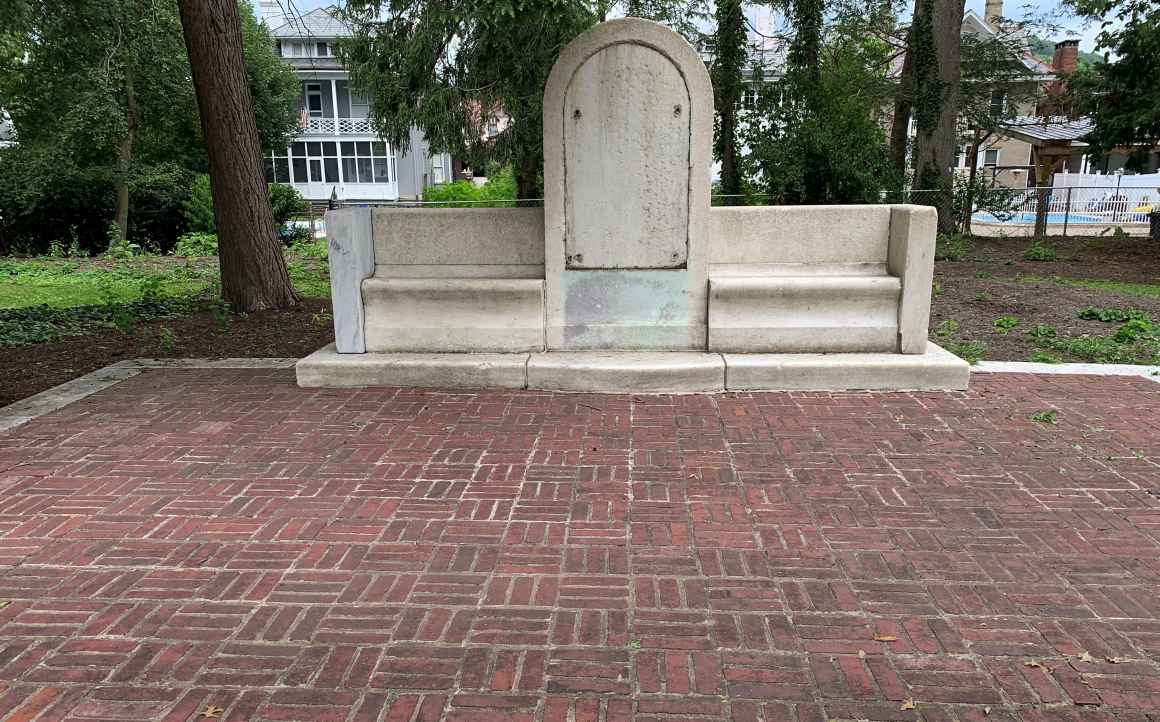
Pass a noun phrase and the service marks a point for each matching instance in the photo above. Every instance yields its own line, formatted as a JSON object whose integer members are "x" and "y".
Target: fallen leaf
{"x": 1116, "y": 660}
{"x": 885, "y": 638}
{"x": 1086, "y": 657}
{"x": 3, "y": 604}
{"x": 1032, "y": 663}
{"x": 986, "y": 710}
{"x": 861, "y": 654}
{"x": 212, "y": 711}
{"x": 908, "y": 704}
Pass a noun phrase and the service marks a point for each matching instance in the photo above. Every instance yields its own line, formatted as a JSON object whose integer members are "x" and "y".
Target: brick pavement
{"x": 219, "y": 544}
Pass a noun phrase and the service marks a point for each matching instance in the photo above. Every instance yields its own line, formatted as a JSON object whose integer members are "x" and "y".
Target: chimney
{"x": 1066, "y": 58}
{"x": 993, "y": 12}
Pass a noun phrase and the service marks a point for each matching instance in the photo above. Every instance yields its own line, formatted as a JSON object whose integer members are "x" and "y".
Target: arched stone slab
{"x": 628, "y": 124}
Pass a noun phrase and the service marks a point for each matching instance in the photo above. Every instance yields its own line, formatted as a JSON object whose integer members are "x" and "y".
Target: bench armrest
{"x": 910, "y": 257}
{"x": 352, "y": 260}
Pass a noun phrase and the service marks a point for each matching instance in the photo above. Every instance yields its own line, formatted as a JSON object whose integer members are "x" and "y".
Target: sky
{"x": 1015, "y": 9}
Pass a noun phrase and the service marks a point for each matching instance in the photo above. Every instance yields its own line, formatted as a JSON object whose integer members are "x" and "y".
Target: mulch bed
{"x": 27, "y": 370}
{"x": 294, "y": 333}
{"x": 999, "y": 261}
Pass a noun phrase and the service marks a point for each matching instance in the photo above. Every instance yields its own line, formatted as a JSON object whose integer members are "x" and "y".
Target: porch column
{"x": 334, "y": 102}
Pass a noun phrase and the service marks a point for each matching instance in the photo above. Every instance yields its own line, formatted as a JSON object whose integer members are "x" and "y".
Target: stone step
{"x": 453, "y": 315}
{"x": 804, "y": 314}
{"x": 638, "y": 372}
{"x": 627, "y": 371}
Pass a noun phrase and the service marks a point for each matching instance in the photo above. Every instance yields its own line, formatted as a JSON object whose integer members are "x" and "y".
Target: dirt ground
{"x": 27, "y": 370}
{"x": 974, "y": 292}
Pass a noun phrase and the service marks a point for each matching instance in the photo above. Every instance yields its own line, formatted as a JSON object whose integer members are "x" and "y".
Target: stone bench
{"x": 627, "y": 279}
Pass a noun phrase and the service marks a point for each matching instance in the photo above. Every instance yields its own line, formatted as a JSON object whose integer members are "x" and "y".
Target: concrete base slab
{"x": 935, "y": 370}
{"x": 326, "y": 368}
{"x": 614, "y": 372}
{"x": 639, "y": 372}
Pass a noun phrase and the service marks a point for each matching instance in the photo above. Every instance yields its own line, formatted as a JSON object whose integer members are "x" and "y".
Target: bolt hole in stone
{"x": 676, "y": 111}
{"x": 576, "y": 114}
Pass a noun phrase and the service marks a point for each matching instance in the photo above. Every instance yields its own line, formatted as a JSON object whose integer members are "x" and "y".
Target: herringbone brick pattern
{"x": 193, "y": 545}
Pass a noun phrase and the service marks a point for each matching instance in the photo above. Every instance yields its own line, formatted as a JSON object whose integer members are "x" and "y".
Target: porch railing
{"x": 336, "y": 126}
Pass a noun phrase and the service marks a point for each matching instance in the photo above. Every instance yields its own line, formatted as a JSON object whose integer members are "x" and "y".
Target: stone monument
{"x": 627, "y": 279}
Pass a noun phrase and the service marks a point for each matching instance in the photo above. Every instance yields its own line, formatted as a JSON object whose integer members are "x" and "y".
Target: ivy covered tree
{"x": 935, "y": 66}
{"x": 815, "y": 135}
{"x": 730, "y": 56}
{"x": 1121, "y": 92}
{"x": 448, "y": 67}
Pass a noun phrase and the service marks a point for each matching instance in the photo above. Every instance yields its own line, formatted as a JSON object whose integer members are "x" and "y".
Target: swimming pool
{"x": 1029, "y": 217}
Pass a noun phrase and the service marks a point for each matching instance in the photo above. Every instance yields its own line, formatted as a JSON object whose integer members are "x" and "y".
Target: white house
{"x": 7, "y": 132}
{"x": 337, "y": 151}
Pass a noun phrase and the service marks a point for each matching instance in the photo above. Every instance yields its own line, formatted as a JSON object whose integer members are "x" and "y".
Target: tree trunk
{"x": 526, "y": 172}
{"x": 728, "y": 67}
{"x": 900, "y": 125}
{"x": 253, "y": 270}
{"x": 125, "y": 156}
{"x": 938, "y": 25}
{"x": 1043, "y": 165}
{"x": 972, "y": 173}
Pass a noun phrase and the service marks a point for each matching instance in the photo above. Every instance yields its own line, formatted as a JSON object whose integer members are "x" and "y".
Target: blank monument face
{"x": 626, "y": 161}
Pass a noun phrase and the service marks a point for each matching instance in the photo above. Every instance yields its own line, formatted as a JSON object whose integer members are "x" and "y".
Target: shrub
{"x": 199, "y": 216}
{"x": 498, "y": 191}
{"x": 1042, "y": 330}
{"x": 194, "y": 245}
{"x": 285, "y": 202}
{"x": 1042, "y": 357}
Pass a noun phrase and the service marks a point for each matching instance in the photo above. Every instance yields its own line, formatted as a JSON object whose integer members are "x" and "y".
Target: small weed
{"x": 1042, "y": 357}
{"x": 151, "y": 288}
{"x": 951, "y": 247}
{"x": 1004, "y": 324}
{"x": 322, "y": 319}
{"x": 221, "y": 315}
{"x": 166, "y": 339}
{"x": 984, "y": 275}
{"x": 1112, "y": 315}
{"x": 1134, "y": 330}
{"x": 1042, "y": 330}
{"x": 982, "y": 296}
{"x": 1046, "y": 417}
{"x": 1119, "y": 233}
{"x": 946, "y": 328}
{"x": 970, "y": 351}
{"x": 936, "y": 289}
{"x": 635, "y": 644}
{"x": 1037, "y": 251}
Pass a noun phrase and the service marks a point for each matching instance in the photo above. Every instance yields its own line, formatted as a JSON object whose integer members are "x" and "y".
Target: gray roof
{"x": 320, "y": 23}
{"x": 1056, "y": 128}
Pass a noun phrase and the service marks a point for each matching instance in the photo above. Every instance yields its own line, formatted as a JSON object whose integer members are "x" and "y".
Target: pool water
{"x": 1028, "y": 217}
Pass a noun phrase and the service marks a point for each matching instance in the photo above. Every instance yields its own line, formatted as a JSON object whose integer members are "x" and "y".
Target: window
{"x": 998, "y": 102}
{"x": 365, "y": 161}
{"x": 960, "y": 156}
{"x": 492, "y": 128}
{"x": 437, "y": 172}
{"x": 991, "y": 157}
{"x": 322, "y": 50}
{"x": 313, "y": 162}
{"x": 277, "y": 169}
{"x": 749, "y": 97}
{"x": 359, "y": 108}
{"x": 314, "y": 99}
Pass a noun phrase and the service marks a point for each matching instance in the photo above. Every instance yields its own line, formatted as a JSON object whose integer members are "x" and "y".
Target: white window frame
{"x": 983, "y": 159}
{"x": 314, "y": 88}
